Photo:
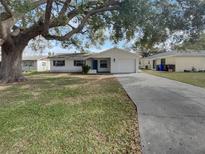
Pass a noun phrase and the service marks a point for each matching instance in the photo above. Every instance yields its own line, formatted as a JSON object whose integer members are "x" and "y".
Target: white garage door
{"x": 127, "y": 66}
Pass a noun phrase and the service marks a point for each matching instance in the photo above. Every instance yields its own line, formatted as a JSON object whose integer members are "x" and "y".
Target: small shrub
{"x": 85, "y": 69}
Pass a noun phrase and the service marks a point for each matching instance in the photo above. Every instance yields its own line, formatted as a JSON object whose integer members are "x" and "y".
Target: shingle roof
{"x": 31, "y": 57}
{"x": 75, "y": 55}
{"x": 96, "y": 55}
{"x": 70, "y": 55}
{"x": 188, "y": 53}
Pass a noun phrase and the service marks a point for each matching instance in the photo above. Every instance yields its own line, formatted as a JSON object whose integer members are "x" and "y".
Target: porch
{"x": 99, "y": 65}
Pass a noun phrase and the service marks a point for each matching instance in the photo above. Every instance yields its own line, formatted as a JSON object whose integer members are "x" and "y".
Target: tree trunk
{"x": 11, "y": 69}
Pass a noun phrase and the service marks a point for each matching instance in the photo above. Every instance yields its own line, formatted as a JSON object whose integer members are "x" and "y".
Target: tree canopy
{"x": 85, "y": 22}
{"x": 193, "y": 44}
{"x": 62, "y": 19}
{"x": 184, "y": 16}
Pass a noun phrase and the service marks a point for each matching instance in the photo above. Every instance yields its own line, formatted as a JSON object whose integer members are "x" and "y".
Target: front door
{"x": 154, "y": 64}
{"x": 95, "y": 64}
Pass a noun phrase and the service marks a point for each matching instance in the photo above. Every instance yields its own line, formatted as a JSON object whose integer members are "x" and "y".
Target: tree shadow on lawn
{"x": 44, "y": 87}
{"x": 40, "y": 88}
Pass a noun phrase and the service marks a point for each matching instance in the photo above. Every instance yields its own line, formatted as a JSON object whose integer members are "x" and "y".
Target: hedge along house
{"x": 110, "y": 61}
{"x": 178, "y": 61}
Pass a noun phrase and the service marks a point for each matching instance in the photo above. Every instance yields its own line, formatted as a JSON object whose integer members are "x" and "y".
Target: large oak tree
{"x": 23, "y": 20}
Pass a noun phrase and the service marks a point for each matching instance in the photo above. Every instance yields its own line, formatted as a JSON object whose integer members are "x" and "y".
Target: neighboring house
{"x": 110, "y": 61}
{"x": 178, "y": 61}
{"x": 35, "y": 63}
{"x": 145, "y": 63}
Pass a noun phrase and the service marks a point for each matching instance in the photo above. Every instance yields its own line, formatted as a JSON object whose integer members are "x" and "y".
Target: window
{"x": 163, "y": 61}
{"x": 59, "y": 63}
{"x": 28, "y": 63}
{"x": 103, "y": 63}
{"x": 79, "y": 62}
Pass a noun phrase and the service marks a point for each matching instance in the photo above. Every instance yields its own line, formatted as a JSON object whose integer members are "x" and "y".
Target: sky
{"x": 56, "y": 48}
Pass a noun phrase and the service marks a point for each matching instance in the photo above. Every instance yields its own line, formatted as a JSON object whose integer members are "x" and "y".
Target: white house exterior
{"x": 110, "y": 61}
{"x": 118, "y": 61}
{"x": 43, "y": 65}
{"x": 67, "y": 62}
{"x": 178, "y": 61}
{"x": 35, "y": 63}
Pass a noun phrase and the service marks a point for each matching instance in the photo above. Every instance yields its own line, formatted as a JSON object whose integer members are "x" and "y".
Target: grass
{"x": 62, "y": 113}
{"x": 197, "y": 79}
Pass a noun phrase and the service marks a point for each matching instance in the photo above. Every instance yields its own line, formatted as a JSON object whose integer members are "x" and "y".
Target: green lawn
{"x": 62, "y": 113}
{"x": 197, "y": 79}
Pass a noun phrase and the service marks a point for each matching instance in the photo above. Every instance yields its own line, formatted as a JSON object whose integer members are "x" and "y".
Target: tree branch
{"x": 47, "y": 15}
{"x": 9, "y": 18}
{"x": 6, "y": 7}
{"x": 38, "y": 3}
{"x": 38, "y": 28}
{"x": 64, "y": 8}
{"x": 81, "y": 25}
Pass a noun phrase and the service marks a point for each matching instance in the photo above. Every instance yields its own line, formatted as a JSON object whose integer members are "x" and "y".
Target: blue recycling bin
{"x": 161, "y": 67}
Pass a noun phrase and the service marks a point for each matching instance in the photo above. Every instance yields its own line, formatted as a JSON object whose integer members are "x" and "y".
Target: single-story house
{"x": 178, "y": 61}
{"x": 113, "y": 60}
{"x": 35, "y": 63}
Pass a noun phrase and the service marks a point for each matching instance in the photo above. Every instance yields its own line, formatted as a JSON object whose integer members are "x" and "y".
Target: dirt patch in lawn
{"x": 4, "y": 87}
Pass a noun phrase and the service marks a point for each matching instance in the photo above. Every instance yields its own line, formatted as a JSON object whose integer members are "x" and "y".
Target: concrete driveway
{"x": 171, "y": 114}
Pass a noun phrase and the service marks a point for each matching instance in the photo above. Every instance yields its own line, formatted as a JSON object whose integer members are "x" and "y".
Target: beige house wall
{"x": 158, "y": 61}
{"x": 181, "y": 63}
{"x": 187, "y": 63}
{"x": 170, "y": 61}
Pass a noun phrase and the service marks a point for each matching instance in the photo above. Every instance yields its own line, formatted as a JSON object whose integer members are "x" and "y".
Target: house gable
{"x": 115, "y": 52}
